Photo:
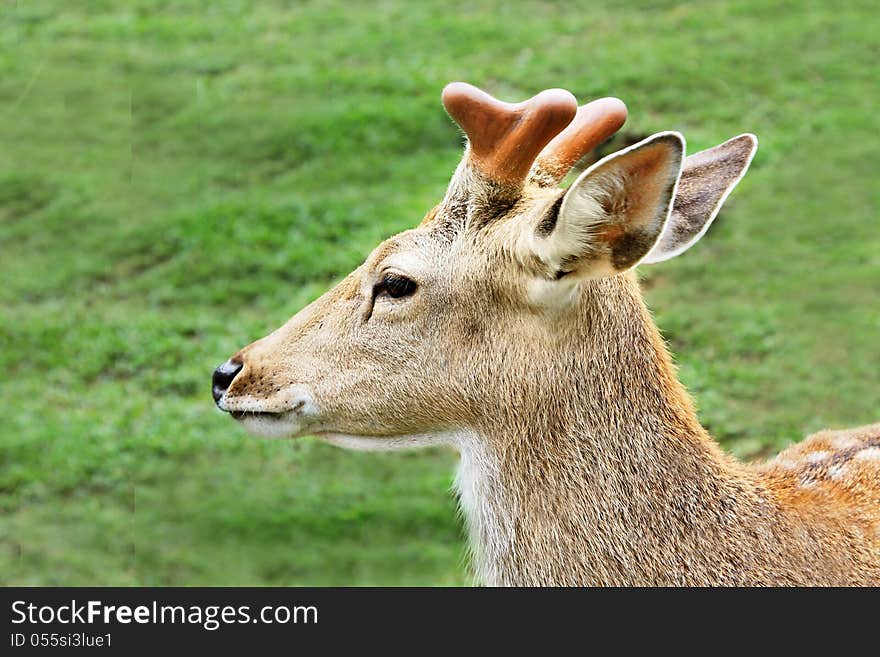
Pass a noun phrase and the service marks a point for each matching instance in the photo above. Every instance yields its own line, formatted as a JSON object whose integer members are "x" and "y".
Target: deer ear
{"x": 614, "y": 213}
{"x": 707, "y": 178}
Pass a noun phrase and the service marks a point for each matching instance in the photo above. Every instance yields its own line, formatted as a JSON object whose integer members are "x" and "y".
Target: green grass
{"x": 176, "y": 179}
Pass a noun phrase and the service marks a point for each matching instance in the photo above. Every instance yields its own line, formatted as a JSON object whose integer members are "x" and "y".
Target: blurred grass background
{"x": 178, "y": 178}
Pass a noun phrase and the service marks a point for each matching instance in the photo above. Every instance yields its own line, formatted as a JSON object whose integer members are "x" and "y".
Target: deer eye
{"x": 396, "y": 286}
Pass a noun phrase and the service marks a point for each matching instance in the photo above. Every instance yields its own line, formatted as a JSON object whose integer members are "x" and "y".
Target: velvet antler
{"x": 594, "y": 123}
{"x": 506, "y": 138}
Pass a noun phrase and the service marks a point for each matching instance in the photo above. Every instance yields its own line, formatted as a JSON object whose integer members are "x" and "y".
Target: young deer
{"x": 510, "y": 326}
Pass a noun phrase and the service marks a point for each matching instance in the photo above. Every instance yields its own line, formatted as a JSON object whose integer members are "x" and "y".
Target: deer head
{"x": 464, "y": 319}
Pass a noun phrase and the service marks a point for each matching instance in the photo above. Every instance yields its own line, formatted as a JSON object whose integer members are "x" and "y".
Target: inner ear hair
{"x": 614, "y": 213}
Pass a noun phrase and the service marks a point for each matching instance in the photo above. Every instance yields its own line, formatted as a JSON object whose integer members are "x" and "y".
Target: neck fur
{"x": 609, "y": 478}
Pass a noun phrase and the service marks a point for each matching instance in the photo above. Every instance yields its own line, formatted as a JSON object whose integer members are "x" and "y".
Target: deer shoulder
{"x": 832, "y": 470}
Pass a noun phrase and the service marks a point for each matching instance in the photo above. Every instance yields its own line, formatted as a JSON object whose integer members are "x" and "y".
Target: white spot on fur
{"x": 837, "y": 472}
{"x": 844, "y": 442}
{"x": 868, "y": 454}
{"x": 816, "y": 457}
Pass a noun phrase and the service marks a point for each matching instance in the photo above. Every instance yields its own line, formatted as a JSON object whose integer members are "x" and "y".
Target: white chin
{"x": 268, "y": 426}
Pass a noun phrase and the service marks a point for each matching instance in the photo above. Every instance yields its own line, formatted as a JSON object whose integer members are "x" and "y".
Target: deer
{"x": 509, "y": 325}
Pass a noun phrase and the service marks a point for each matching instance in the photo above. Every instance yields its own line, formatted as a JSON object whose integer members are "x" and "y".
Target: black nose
{"x": 223, "y": 377}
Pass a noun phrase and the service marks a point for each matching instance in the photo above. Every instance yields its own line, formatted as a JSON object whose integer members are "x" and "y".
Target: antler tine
{"x": 506, "y": 138}
{"x": 594, "y": 123}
